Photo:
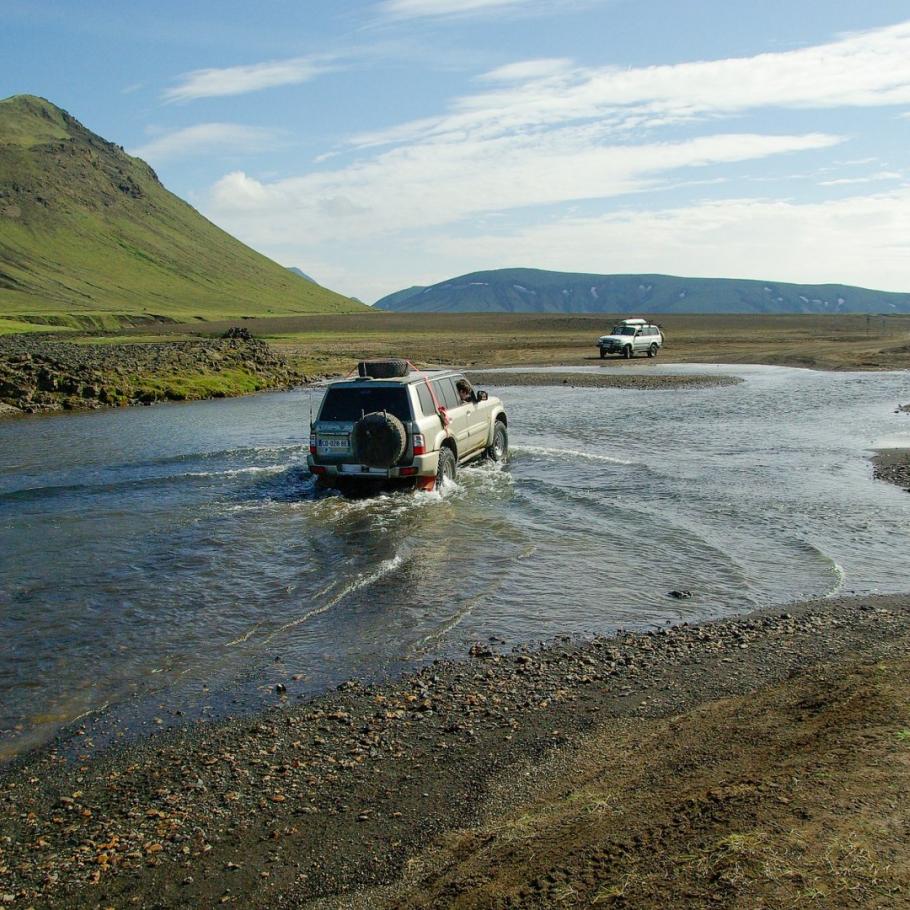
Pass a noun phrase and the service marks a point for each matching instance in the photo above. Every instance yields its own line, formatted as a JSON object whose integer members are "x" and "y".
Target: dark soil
{"x": 755, "y": 762}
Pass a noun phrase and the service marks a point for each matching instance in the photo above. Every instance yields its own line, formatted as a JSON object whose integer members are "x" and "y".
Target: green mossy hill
{"x": 539, "y": 291}
{"x": 90, "y": 238}
{"x": 40, "y": 374}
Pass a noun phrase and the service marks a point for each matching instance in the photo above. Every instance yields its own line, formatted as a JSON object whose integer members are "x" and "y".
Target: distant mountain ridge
{"x": 301, "y": 274}
{"x": 540, "y": 291}
{"x": 89, "y": 236}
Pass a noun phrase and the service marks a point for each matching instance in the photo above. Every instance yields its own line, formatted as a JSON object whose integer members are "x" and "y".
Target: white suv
{"x": 396, "y": 425}
{"x": 631, "y": 337}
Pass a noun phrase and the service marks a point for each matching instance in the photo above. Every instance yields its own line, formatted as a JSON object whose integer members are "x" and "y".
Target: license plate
{"x": 333, "y": 445}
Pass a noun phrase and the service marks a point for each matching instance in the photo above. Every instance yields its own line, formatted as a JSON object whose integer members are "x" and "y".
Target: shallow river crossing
{"x": 179, "y": 557}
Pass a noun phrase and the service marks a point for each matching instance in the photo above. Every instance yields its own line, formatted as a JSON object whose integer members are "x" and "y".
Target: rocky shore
{"x": 893, "y": 466}
{"x": 330, "y": 803}
{"x": 40, "y": 374}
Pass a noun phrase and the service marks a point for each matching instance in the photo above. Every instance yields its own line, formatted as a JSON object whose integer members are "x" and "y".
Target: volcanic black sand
{"x": 689, "y": 766}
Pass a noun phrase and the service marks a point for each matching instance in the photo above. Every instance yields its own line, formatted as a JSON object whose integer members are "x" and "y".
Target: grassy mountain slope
{"x": 538, "y": 291}
{"x": 89, "y": 236}
{"x": 301, "y": 274}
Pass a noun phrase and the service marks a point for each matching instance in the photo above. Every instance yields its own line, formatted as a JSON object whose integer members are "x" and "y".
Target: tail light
{"x": 317, "y": 469}
{"x": 312, "y": 443}
{"x": 420, "y": 444}
{"x": 407, "y": 472}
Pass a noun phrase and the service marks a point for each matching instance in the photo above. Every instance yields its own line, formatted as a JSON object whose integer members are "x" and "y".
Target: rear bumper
{"x": 425, "y": 466}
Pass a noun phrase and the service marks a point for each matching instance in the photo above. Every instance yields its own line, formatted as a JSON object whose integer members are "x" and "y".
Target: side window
{"x": 445, "y": 392}
{"x": 426, "y": 399}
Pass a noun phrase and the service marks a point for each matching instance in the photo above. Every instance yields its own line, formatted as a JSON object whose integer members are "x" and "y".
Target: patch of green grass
{"x": 903, "y": 736}
{"x": 227, "y": 383}
{"x": 14, "y": 327}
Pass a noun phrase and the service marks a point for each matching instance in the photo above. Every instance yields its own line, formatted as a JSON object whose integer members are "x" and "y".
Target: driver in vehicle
{"x": 465, "y": 392}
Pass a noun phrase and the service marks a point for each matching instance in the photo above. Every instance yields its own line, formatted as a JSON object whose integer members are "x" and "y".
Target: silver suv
{"x": 396, "y": 425}
{"x": 631, "y": 337}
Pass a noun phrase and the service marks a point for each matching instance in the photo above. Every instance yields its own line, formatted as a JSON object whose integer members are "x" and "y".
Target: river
{"x": 171, "y": 562}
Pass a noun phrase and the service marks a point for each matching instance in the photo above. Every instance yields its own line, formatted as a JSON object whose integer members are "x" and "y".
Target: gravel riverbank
{"x": 319, "y": 801}
{"x": 605, "y": 380}
{"x": 893, "y": 465}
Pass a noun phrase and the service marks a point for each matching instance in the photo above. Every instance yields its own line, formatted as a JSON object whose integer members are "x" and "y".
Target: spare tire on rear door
{"x": 379, "y": 439}
{"x": 383, "y": 369}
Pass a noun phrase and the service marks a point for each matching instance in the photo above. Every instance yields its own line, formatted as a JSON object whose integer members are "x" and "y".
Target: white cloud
{"x": 239, "y": 80}
{"x": 435, "y": 184}
{"x": 206, "y": 138}
{"x": 862, "y": 240}
{"x": 409, "y": 9}
{"x": 868, "y": 178}
{"x": 861, "y": 70}
{"x": 529, "y": 69}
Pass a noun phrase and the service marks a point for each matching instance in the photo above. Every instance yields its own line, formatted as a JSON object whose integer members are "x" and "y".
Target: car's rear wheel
{"x": 627, "y": 351}
{"x": 447, "y": 468}
{"x": 652, "y": 351}
{"x": 499, "y": 447}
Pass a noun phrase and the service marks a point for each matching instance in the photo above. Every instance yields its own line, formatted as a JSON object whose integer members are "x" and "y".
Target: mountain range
{"x": 539, "y": 291}
{"x": 90, "y": 237}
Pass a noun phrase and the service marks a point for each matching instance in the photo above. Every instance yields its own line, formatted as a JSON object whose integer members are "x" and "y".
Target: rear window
{"x": 352, "y": 403}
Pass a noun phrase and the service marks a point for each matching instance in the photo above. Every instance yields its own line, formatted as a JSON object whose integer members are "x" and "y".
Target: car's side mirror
{"x": 480, "y": 396}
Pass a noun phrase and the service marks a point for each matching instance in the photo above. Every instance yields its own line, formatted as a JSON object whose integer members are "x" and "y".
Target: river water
{"x": 180, "y": 556}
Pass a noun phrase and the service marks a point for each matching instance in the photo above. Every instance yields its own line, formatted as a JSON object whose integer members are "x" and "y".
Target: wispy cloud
{"x": 437, "y": 184}
{"x": 867, "y": 178}
{"x": 526, "y": 70}
{"x": 239, "y": 80}
{"x": 862, "y": 70}
{"x": 206, "y": 138}
{"x": 410, "y": 9}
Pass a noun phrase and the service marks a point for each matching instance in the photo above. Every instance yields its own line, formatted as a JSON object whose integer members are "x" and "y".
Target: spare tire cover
{"x": 383, "y": 369}
{"x": 379, "y": 439}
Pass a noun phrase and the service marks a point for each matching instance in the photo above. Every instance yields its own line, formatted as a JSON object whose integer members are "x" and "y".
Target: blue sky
{"x": 378, "y": 144}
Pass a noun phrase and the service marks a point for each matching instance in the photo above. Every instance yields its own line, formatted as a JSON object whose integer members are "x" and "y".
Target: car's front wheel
{"x": 603, "y": 353}
{"x": 445, "y": 472}
{"x": 627, "y": 351}
{"x": 499, "y": 447}
{"x": 652, "y": 351}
